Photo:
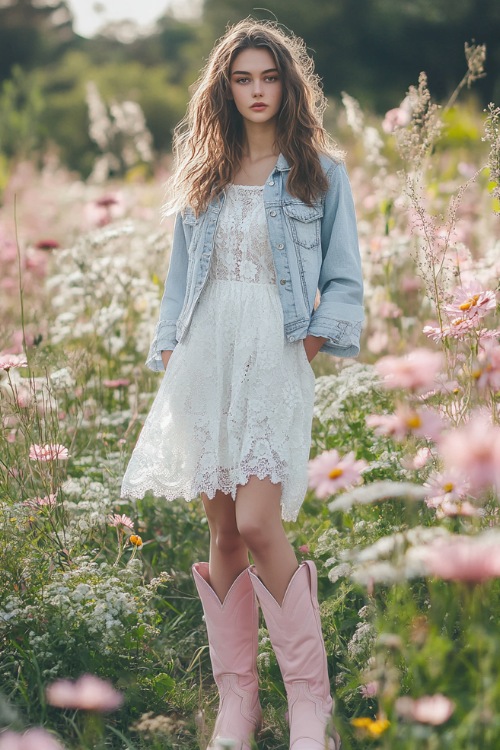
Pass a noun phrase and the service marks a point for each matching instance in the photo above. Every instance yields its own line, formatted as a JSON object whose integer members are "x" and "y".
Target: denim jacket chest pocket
{"x": 304, "y": 222}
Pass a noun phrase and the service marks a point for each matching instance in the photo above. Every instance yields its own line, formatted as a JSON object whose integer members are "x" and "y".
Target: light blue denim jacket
{"x": 314, "y": 247}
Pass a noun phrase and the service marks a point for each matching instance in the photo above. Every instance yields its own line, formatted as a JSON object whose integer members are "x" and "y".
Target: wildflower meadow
{"x": 102, "y": 643}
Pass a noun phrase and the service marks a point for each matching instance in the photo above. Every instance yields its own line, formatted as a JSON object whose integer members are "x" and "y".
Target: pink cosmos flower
{"x": 429, "y": 709}
{"x": 386, "y": 424}
{"x": 395, "y": 118}
{"x": 116, "y": 520}
{"x": 449, "y": 485}
{"x": 446, "y": 493}
{"x": 48, "y": 452}
{"x": 88, "y": 693}
{"x": 377, "y": 342}
{"x": 49, "y": 500}
{"x": 414, "y": 371}
{"x": 370, "y": 690}
{"x": 433, "y": 332}
{"x": 329, "y": 473}
{"x": 470, "y": 301}
{"x": 474, "y": 450}
{"x": 488, "y": 372}
{"x": 9, "y": 361}
{"x": 483, "y": 334}
{"x": 406, "y": 421}
{"x": 410, "y": 284}
{"x": 304, "y": 549}
{"x": 462, "y": 558}
{"x": 388, "y": 309}
{"x": 443, "y": 385}
{"x": 18, "y": 339}
{"x": 418, "y": 461}
{"x": 23, "y": 396}
{"x": 33, "y": 739}
{"x": 117, "y": 383}
{"x": 457, "y": 508}
{"x": 457, "y": 329}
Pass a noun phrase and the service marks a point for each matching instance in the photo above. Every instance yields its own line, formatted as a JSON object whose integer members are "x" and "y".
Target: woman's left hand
{"x": 312, "y": 345}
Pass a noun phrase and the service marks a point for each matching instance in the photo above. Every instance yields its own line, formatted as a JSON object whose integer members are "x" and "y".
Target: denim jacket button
{"x": 283, "y": 281}
{"x": 281, "y": 246}
{"x": 271, "y": 182}
{"x": 272, "y": 213}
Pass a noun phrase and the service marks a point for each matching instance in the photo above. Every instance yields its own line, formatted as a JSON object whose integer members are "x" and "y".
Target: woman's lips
{"x": 258, "y": 106}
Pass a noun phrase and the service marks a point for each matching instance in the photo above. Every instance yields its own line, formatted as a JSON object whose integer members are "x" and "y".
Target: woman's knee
{"x": 256, "y": 532}
{"x": 258, "y": 514}
{"x": 227, "y": 540}
{"x": 222, "y": 524}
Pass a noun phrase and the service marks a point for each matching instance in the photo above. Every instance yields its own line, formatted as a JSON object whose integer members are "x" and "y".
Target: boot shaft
{"x": 232, "y": 626}
{"x": 295, "y": 631}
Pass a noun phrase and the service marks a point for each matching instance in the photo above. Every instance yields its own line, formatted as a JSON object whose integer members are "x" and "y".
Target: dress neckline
{"x": 251, "y": 187}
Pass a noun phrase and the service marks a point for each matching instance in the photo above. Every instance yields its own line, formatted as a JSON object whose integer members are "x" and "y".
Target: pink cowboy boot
{"x": 295, "y": 633}
{"x": 232, "y": 629}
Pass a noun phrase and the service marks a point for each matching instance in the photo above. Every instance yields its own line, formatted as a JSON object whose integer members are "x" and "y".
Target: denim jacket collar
{"x": 282, "y": 165}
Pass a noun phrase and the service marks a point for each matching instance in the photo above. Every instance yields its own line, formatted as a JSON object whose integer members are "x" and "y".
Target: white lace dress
{"x": 236, "y": 399}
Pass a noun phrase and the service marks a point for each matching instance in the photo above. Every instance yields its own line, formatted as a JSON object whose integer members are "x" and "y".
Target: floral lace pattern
{"x": 237, "y": 398}
{"x": 243, "y": 231}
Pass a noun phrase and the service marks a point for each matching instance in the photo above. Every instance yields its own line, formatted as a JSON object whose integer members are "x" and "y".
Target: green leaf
{"x": 163, "y": 684}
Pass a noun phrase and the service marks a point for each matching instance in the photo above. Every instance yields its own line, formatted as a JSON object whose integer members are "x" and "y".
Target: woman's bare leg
{"x": 228, "y": 551}
{"x": 258, "y": 520}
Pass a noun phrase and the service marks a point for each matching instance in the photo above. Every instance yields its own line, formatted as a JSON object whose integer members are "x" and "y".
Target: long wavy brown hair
{"x": 208, "y": 143}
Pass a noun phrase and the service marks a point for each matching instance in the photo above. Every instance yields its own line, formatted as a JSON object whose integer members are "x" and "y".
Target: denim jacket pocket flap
{"x": 303, "y": 212}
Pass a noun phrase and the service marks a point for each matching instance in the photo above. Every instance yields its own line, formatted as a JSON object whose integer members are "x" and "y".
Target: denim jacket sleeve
{"x": 172, "y": 300}
{"x": 339, "y": 315}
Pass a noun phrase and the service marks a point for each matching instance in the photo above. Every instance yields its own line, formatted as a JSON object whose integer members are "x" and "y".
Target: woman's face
{"x": 256, "y": 86}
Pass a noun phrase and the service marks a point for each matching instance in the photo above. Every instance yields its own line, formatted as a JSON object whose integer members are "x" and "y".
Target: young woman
{"x": 265, "y": 219}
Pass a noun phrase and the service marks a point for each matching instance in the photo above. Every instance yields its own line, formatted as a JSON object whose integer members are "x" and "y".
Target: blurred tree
{"x": 154, "y": 71}
{"x": 21, "y": 105}
{"x": 374, "y": 49}
{"x": 33, "y": 32}
{"x": 65, "y": 115}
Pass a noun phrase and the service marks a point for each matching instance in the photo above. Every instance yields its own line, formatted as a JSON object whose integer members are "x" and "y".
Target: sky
{"x": 90, "y": 15}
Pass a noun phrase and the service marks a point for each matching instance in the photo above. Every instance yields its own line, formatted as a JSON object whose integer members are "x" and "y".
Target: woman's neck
{"x": 260, "y": 152}
{"x": 260, "y": 142}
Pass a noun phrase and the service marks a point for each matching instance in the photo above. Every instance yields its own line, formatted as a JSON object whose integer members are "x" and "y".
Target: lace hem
{"x": 220, "y": 480}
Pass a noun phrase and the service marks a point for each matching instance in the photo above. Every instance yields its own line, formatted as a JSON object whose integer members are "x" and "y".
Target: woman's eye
{"x": 271, "y": 78}
{"x": 241, "y": 80}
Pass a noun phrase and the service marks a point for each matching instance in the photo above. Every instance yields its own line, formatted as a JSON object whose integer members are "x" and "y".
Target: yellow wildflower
{"x": 362, "y": 722}
{"x": 372, "y": 727}
{"x": 135, "y": 540}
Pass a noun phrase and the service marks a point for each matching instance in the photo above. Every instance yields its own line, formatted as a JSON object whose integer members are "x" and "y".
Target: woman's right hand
{"x": 165, "y": 356}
